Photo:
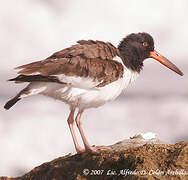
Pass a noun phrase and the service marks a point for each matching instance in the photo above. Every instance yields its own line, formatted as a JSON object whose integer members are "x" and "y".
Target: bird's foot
{"x": 96, "y": 149}
{"x": 93, "y": 149}
{"x": 80, "y": 150}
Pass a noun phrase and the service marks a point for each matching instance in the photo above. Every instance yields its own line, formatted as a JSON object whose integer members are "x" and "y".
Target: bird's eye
{"x": 145, "y": 44}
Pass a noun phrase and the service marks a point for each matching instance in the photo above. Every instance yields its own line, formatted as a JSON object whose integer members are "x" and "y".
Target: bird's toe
{"x": 98, "y": 149}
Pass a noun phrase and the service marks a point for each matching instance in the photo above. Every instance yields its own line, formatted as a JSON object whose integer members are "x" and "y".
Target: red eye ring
{"x": 145, "y": 44}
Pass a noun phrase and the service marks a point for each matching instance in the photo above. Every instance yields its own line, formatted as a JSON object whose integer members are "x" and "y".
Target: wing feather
{"x": 89, "y": 60}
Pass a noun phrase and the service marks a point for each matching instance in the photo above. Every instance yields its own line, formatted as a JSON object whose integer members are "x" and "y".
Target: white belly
{"x": 88, "y": 98}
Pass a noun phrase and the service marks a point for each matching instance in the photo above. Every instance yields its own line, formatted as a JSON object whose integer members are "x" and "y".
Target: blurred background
{"x": 35, "y": 130}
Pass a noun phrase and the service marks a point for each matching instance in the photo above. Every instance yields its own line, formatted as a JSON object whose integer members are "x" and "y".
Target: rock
{"x": 6, "y": 178}
{"x": 132, "y": 159}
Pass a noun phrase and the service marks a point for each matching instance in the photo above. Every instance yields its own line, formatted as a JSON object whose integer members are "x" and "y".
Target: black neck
{"x": 131, "y": 57}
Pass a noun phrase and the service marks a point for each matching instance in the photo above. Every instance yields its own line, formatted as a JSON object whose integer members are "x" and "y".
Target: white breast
{"x": 98, "y": 97}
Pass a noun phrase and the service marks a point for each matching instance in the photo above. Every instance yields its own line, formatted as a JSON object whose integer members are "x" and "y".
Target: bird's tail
{"x": 31, "y": 89}
{"x": 11, "y": 102}
{"x": 14, "y": 100}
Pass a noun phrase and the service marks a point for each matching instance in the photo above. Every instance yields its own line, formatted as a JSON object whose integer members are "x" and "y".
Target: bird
{"x": 88, "y": 75}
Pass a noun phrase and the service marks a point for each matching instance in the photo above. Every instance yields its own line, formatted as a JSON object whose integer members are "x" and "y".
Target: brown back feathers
{"x": 93, "y": 59}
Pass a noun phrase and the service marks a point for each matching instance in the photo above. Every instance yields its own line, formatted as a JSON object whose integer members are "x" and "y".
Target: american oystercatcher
{"x": 88, "y": 75}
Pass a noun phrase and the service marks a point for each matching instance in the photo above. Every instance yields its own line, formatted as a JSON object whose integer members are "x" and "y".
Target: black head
{"x": 135, "y": 48}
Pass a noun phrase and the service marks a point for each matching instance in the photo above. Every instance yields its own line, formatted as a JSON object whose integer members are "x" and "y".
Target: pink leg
{"x": 88, "y": 148}
{"x": 70, "y": 121}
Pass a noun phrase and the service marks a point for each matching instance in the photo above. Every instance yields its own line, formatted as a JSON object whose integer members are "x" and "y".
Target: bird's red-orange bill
{"x": 165, "y": 62}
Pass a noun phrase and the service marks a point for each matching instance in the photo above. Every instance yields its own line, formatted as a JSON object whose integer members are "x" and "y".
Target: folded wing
{"x": 87, "y": 64}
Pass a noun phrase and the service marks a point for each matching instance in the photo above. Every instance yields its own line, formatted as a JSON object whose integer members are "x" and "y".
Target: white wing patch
{"x": 118, "y": 59}
{"x": 33, "y": 89}
{"x": 79, "y": 82}
{"x": 35, "y": 73}
{"x": 74, "y": 81}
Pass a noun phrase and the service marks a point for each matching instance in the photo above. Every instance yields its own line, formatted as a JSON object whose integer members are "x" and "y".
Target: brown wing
{"x": 88, "y": 59}
{"x": 88, "y": 49}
